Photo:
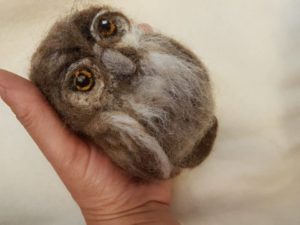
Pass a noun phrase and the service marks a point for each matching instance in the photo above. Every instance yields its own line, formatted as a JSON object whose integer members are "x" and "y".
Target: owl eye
{"x": 83, "y": 80}
{"x": 107, "y": 28}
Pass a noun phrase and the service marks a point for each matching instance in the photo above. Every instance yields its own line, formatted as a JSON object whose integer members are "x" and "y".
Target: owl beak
{"x": 117, "y": 63}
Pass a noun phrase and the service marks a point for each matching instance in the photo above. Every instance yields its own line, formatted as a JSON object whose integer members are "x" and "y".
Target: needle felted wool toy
{"x": 143, "y": 98}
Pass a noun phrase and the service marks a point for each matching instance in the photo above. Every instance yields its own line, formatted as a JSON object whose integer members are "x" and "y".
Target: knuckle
{"x": 27, "y": 116}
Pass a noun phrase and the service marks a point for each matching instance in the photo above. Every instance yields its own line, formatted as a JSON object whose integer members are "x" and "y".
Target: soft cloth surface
{"x": 252, "y": 49}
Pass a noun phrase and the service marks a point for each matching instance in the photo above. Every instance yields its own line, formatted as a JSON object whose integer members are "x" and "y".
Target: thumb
{"x": 58, "y": 144}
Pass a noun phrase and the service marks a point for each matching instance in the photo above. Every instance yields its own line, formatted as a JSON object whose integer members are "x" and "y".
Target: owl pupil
{"x": 105, "y": 25}
{"x": 82, "y": 81}
{"x": 107, "y": 28}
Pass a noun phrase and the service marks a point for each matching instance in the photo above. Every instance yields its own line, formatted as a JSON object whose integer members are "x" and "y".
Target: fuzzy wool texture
{"x": 133, "y": 72}
{"x": 252, "y": 51}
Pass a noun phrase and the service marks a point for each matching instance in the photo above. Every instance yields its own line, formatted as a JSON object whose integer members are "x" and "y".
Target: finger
{"x": 146, "y": 27}
{"x": 58, "y": 144}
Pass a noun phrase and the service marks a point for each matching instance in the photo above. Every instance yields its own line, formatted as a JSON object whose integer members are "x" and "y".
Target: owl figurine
{"x": 143, "y": 98}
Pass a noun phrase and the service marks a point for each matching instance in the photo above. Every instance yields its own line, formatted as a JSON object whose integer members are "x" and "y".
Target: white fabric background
{"x": 252, "y": 49}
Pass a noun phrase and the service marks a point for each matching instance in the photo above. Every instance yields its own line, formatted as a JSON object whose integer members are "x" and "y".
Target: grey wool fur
{"x": 143, "y": 98}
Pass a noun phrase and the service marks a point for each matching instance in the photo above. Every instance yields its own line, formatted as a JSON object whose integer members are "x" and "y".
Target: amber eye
{"x": 83, "y": 80}
{"x": 107, "y": 28}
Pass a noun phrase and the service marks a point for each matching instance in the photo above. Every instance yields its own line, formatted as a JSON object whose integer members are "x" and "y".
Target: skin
{"x": 103, "y": 192}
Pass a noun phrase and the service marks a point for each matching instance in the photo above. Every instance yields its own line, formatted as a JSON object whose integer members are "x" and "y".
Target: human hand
{"x": 103, "y": 192}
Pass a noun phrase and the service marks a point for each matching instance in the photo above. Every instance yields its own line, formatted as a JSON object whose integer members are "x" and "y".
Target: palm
{"x": 95, "y": 181}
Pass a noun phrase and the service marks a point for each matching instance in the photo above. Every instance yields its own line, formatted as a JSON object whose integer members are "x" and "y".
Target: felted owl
{"x": 143, "y": 98}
